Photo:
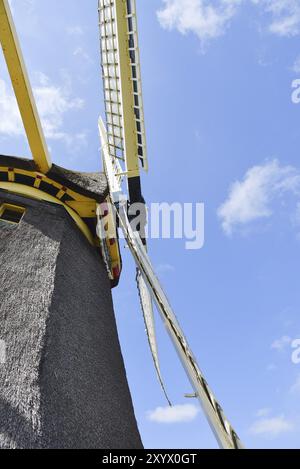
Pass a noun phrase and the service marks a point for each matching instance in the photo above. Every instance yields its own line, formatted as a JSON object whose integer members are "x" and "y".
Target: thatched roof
{"x": 89, "y": 184}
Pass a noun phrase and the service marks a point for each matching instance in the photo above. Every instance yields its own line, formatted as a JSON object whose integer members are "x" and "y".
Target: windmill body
{"x": 64, "y": 382}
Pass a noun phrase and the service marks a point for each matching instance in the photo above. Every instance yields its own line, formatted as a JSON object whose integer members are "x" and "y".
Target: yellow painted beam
{"x": 20, "y": 81}
{"x": 130, "y": 136}
{"x": 37, "y": 194}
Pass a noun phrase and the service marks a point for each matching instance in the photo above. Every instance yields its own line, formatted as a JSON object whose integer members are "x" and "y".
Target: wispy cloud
{"x": 165, "y": 268}
{"x": 75, "y": 30}
{"x": 271, "y": 427}
{"x": 10, "y": 122}
{"x": 209, "y": 20}
{"x": 282, "y": 343}
{"x": 82, "y": 54}
{"x": 28, "y": 4}
{"x": 200, "y": 17}
{"x": 251, "y": 198}
{"x": 175, "y": 414}
{"x": 285, "y": 16}
{"x": 265, "y": 412}
{"x": 24, "y": 11}
{"x": 53, "y": 103}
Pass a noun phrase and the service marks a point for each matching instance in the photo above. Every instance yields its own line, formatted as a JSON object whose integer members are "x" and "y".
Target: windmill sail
{"x": 147, "y": 308}
{"x": 123, "y": 139}
{"x": 112, "y": 169}
{"x": 122, "y": 84}
{"x": 224, "y": 433}
{"x": 22, "y": 88}
{"x": 124, "y": 146}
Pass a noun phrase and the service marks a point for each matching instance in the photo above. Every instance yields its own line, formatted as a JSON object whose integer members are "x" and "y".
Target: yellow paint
{"x": 129, "y": 128}
{"x": 84, "y": 207}
{"x": 20, "y": 81}
{"x": 37, "y": 194}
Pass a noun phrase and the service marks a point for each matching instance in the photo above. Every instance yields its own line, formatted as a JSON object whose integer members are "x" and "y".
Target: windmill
{"x": 64, "y": 383}
{"x": 124, "y": 153}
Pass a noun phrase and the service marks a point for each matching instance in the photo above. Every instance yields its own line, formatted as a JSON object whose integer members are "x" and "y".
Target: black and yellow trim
{"x": 82, "y": 208}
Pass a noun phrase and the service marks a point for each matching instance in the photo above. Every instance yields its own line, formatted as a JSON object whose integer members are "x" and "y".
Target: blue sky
{"x": 222, "y": 129}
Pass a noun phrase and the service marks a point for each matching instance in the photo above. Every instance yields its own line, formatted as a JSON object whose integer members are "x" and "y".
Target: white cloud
{"x": 165, "y": 268}
{"x": 209, "y": 19}
{"x": 53, "y": 103}
{"x": 28, "y": 6}
{"x": 263, "y": 412}
{"x": 282, "y": 343}
{"x": 81, "y": 53}
{"x": 75, "y": 30}
{"x": 285, "y": 16}
{"x": 271, "y": 427}
{"x": 175, "y": 414}
{"x": 206, "y": 19}
{"x": 251, "y": 198}
{"x": 10, "y": 122}
{"x": 41, "y": 79}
